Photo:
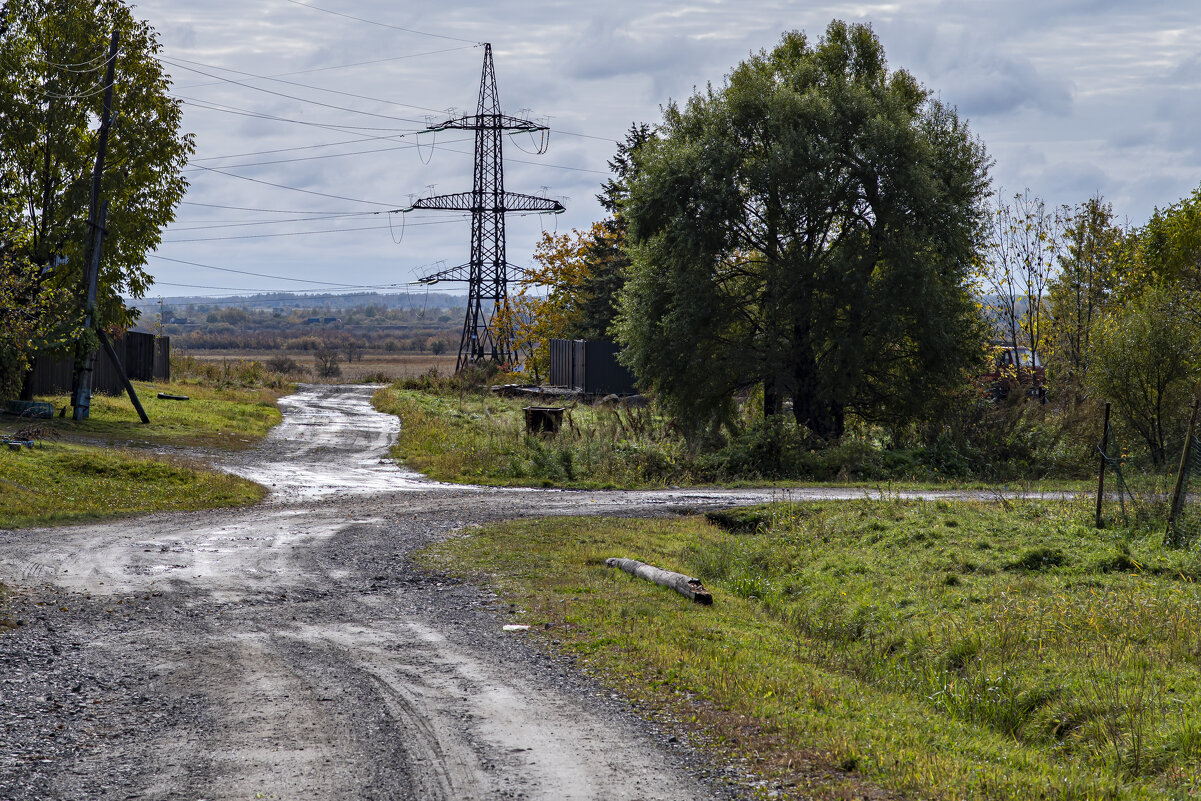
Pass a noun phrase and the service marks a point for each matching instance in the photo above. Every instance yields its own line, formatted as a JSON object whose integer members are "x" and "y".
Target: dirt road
{"x": 292, "y": 650}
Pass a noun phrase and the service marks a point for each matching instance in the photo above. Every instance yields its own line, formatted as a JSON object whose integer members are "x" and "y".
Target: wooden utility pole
{"x": 85, "y": 354}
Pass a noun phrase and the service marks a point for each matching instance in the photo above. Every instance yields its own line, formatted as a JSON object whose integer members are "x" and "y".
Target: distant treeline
{"x": 422, "y": 330}
{"x": 288, "y": 302}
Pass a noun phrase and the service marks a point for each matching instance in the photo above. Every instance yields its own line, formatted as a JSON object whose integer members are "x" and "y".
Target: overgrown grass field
{"x": 935, "y": 650}
{"x": 473, "y": 436}
{"x": 480, "y": 438}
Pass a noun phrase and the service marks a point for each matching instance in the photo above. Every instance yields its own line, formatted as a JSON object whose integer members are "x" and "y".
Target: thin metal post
{"x": 1101, "y": 478}
{"x": 1185, "y": 453}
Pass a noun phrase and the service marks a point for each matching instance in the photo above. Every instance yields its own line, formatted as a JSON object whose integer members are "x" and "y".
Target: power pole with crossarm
{"x": 487, "y": 274}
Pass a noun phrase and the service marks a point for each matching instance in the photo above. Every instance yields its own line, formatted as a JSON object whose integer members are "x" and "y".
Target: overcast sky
{"x": 1071, "y": 98}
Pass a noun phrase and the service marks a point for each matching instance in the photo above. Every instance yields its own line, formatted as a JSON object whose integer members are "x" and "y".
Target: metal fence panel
{"x": 144, "y": 357}
{"x": 590, "y": 366}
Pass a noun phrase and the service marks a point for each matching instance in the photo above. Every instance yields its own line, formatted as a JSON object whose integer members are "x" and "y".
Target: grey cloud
{"x": 989, "y": 84}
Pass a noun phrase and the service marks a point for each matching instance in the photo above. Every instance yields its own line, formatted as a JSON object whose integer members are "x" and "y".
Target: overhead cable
{"x": 271, "y": 291}
{"x": 211, "y": 106}
{"x": 359, "y": 140}
{"x": 405, "y": 146}
{"x": 336, "y": 67}
{"x": 293, "y": 97}
{"x": 247, "y": 272}
{"x": 293, "y": 83}
{"x": 293, "y": 188}
{"x": 385, "y": 25}
{"x": 302, "y": 233}
{"x": 214, "y": 224}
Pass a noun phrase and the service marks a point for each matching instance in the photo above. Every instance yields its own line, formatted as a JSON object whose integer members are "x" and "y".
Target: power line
{"x": 336, "y": 67}
{"x": 98, "y": 62}
{"x": 291, "y": 149}
{"x": 293, "y": 83}
{"x": 294, "y": 97}
{"x": 303, "y": 233}
{"x": 608, "y": 139}
{"x": 266, "y": 211}
{"x": 212, "y": 224}
{"x": 176, "y": 227}
{"x": 405, "y": 146}
{"x": 210, "y": 106}
{"x": 384, "y": 24}
{"x": 269, "y": 291}
{"x": 256, "y": 275}
{"x": 293, "y": 188}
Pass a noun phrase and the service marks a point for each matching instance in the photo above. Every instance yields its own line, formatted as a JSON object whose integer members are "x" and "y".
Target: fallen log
{"x": 690, "y": 588}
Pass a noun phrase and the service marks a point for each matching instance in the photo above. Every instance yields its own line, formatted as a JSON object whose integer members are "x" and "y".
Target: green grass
{"x": 213, "y": 417}
{"x": 68, "y": 477}
{"x": 57, "y": 483}
{"x": 480, "y": 438}
{"x": 936, "y": 650}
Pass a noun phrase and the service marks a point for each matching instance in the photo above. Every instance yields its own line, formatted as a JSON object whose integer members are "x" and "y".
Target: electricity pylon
{"x": 487, "y": 274}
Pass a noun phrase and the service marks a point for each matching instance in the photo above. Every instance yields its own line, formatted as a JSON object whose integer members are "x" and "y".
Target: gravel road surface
{"x": 291, "y": 650}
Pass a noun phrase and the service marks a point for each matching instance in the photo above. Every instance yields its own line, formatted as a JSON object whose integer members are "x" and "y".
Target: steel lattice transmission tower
{"x": 487, "y": 274}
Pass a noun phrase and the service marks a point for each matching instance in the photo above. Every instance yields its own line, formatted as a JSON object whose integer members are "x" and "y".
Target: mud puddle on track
{"x": 329, "y": 442}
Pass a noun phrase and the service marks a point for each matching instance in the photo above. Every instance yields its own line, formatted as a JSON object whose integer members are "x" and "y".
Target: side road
{"x": 292, "y": 650}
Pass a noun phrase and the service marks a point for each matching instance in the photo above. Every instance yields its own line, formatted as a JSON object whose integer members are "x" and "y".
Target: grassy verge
{"x": 56, "y": 483}
{"x": 218, "y": 417}
{"x": 479, "y": 438}
{"x": 936, "y": 650}
{"x": 68, "y": 478}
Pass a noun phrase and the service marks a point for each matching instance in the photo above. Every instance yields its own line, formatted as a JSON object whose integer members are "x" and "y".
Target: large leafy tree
{"x": 53, "y": 55}
{"x": 606, "y": 253}
{"x": 810, "y": 226}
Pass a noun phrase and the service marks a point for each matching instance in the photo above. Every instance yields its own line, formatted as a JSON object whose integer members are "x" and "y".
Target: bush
{"x": 327, "y": 363}
{"x": 285, "y": 365}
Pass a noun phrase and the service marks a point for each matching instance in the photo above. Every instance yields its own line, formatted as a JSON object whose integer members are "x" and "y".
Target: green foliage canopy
{"x": 810, "y": 226}
{"x": 1142, "y": 359}
{"x": 52, "y": 59}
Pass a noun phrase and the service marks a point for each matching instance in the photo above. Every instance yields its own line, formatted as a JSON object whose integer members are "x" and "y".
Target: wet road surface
{"x": 291, "y": 649}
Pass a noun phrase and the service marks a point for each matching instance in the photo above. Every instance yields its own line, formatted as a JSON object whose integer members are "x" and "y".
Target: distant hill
{"x": 270, "y": 301}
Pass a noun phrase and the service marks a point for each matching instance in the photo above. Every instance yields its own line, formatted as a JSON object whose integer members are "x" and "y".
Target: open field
{"x": 373, "y": 364}
{"x": 937, "y": 650}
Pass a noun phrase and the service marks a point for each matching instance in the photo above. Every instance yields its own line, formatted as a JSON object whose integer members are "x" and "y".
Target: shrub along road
{"x": 294, "y": 650}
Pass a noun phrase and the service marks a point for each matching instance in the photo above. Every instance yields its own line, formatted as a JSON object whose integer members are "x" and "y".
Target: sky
{"x": 308, "y": 114}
